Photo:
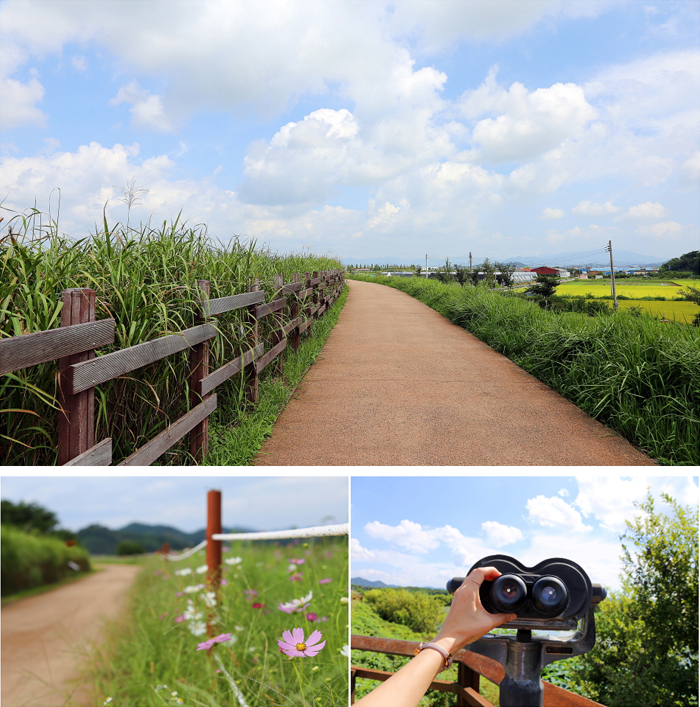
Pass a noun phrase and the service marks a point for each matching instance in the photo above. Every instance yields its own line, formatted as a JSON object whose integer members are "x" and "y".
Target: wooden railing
{"x": 74, "y": 345}
{"x": 470, "y": 666}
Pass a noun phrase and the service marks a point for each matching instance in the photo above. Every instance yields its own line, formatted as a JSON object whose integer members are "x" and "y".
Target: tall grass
{"x": 639, "y": 376}
{"x": 154, "y": 645}
{"x": 146, "y": 280}
{"x": 29, "y": 560}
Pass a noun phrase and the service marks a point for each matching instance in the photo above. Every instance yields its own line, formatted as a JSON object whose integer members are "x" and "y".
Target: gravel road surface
{"x": 398, "y": 384}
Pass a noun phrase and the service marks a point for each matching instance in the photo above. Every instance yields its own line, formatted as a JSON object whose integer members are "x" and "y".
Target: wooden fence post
{"x": 315, "y": 295}
{"x": 76, "y": 417}
{"x": 279, "y": 334}
{"x": 466, "y": 677}
{"x": 295, "y": 310}
{"x": 252, "y": 341}
{"x": 213, "y": 550}
{"x": 199, "y": 368}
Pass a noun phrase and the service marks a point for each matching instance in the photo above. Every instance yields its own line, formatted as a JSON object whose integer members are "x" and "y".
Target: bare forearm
{"x": 407, "y": 687}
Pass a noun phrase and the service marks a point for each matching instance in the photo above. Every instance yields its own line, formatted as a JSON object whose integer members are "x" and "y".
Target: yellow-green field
{"x": 682, "y": 312}
{"x": 634, "y": 289}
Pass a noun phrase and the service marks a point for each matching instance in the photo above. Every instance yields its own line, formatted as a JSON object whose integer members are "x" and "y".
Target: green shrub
{"x": 417, "y": 611}
{"x": 130, "y": 547}
{"x": 30, "y": 560}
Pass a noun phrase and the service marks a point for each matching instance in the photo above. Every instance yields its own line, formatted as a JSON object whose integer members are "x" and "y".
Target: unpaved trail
{"x": 45, "y": 638}
{"x": 399, "y": 384}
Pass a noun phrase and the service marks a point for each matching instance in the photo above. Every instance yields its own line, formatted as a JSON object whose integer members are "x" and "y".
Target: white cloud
{"x": 588, "y": 208}
{"x": 549, "y": 213}
{"x": 147, "y": 109}
{"x": 406, "y": 534}
{"x": 357, "y": 552}
{"x": 691, "y": 167}
{"x": 563, "y": 493}
{"x": 499, "y": 534}
{"x": 648, "y": 210}
{"x": 527, "y": 123}
{"x": 667, "y": 229}
{"x": 19, "y": 103}
{"x": 555, "y": 513}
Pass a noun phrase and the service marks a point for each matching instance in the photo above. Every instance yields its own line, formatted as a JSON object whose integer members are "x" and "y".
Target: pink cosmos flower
{"x": 179, "y": 619}
{"x": 297, "y": 562}
{"x": 327, "y": 580}
{"x": 294, "y": 645}
{"x": 250, "y": 593}
{"x": 221, "y": 638}
{"x": 311, "y": 617}
{"x": 223, "y": 582}
{"x": 296, "y": 577}
{"x": 258, "y": 605}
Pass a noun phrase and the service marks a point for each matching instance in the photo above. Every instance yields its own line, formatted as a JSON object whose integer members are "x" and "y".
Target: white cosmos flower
{"x": 193, "y": 588}
{"x": 233, "y": 560}
{"x": 296, "y": 605}
{"x": 209, "y": 599}
{"x": 202, "y": 569}
{"x": 183, "y": 572}
{"x": 198, "y": 628}
{"x": 345, "y": 650}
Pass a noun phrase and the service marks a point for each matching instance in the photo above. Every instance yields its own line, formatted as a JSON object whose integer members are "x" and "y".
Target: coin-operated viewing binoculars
{"x": 551, "y": 596}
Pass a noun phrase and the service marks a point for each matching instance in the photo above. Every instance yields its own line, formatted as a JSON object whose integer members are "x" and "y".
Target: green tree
{"x": 28, "y": 516}
{"x": 130, "y": 547}
{"x": 543, "y": 288}
{"x": 461, "y": 274}
{"x": 646, "y": 651}
{"x": 692, "y": 294}
{"x": 418, "y": 611}
{"x": 505, "y": 273}
{"x": 689, "y": 262}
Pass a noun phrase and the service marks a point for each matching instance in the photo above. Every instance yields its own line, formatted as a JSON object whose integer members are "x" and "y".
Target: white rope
{"x": 187, "y": 553}
{"x": 315, "y": 532}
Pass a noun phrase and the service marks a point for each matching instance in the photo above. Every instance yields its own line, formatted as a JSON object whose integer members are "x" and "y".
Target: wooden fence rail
{"x": 75, "y": 343}
{"x": 470, "y": 666}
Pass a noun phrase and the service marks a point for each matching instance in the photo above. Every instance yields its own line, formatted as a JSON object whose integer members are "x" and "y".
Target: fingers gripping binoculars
{"x": 554, "y": 595}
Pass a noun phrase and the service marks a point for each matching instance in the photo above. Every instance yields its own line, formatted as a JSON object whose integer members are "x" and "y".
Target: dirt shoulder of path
{"x": 45, "y": 638}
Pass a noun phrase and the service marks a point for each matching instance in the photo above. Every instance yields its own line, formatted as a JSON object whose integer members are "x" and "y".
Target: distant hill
{"x": 621, "y": 257}
{"x": 99, "y": 540}
{"x": 360, "y": 582}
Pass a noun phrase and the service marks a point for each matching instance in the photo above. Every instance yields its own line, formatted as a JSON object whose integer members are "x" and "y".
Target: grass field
{"x": 151, "y": 658}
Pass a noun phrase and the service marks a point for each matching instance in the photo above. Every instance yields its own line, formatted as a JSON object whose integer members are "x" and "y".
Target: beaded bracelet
{"x": 447, "y": 656}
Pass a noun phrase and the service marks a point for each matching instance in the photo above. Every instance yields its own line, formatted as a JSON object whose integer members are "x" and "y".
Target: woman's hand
{"x": 467, "y": 620}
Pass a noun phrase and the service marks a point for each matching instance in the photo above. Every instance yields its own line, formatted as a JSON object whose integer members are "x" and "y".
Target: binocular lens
{"x": 508, "y": 593}
{"x": 549, "y": 596}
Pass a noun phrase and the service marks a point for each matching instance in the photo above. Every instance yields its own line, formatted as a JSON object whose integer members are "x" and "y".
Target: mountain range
{"x": 99, "y": 540}
{"x": 621, "y": 258}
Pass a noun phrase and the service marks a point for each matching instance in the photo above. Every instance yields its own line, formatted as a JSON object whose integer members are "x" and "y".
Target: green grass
{"x": 639, "y": 376}
{"x": 146, "y": 280}
{"x": 30, "y": 561}
{"x": 148, "y": 648}
{"x": 237, "y": 443}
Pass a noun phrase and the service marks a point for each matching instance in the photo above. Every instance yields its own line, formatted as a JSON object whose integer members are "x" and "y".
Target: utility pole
{"x": 470, "y": 261}
{"x": 613, "y": 291}
{"x": 426, "y": 265}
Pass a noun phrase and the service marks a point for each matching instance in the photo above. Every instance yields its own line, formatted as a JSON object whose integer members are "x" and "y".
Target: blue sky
{"x": 362, "y": 128}
{"x": 422, "y": 531}
{"x": 259, "y": 503}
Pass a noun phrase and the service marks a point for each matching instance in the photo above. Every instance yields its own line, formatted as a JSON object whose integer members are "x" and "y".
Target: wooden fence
{"x": 75, "y": 343}
{"x": 470, "y": 667}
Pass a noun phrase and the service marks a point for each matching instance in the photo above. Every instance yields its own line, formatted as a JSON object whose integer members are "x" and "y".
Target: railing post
{"x": 278, "y": 335}
{"x": 199, "y": 369}
{"x": 315, "y": 295}
{"x": 295, "y": 310}
{"x": 76, "y": 417}
{"x": 466, "y": 677}
{"x": 213, "y": 550}
{"x": 252, "y": 340}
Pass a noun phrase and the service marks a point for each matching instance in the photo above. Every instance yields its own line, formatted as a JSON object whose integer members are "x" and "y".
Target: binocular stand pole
{"x": 524, "y": 657}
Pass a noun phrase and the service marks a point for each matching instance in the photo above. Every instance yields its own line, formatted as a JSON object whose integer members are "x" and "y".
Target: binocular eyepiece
{"x": 552, "y": 589}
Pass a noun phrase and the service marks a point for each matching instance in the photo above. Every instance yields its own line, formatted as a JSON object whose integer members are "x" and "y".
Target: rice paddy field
{"x": 146, "y": 280}
{"x": 158, "y": 653}
{"x": 635, "y": 289}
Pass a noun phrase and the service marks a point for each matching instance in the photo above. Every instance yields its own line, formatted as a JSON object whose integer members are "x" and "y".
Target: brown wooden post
{"x": 76, "y": 417}
{"x": 199, "y": 369}
{"x": 315, "y": 295}
{"x": 252, "y": 341}
{"x": 278, "y": 335}
{"x": 213, "y": 550}
{"x": 295, "y": 310}
{"x": 466, "y": 677}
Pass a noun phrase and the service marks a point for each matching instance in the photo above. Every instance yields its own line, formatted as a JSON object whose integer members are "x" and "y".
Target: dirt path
{"x": 399, "y": 384}
{"x": 45, "y": 637}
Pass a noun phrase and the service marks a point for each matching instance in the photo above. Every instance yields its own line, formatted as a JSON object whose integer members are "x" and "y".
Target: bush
{"x": 29, "y": 560}
{"x": 417, "y": 611}
{"x": 130, "y": 547}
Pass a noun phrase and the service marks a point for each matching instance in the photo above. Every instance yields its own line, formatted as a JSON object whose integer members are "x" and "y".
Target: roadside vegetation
{"x": 145, "y": 279}
{"x": 35, "y": 553}
{"x": 637, "y": 375}
{"x": 153, "y": 655}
